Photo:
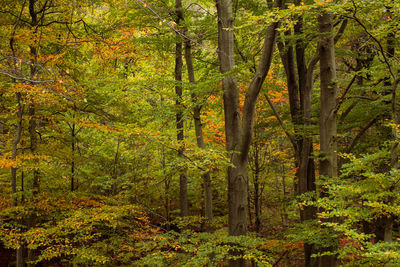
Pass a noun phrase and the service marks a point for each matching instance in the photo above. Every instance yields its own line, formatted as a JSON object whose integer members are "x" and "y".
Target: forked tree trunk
{"x": 239, "y": 131}
{"x": 237, "y": 174}
{"x": 300, "y": 90}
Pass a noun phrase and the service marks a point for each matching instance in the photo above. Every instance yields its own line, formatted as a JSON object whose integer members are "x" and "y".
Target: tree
{"x": 328, "y": 139}
{"x": 238, "y": 129}
{"x": 179, "y": 112}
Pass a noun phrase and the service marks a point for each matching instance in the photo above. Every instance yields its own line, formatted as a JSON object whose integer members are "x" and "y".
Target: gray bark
{"x": 239, "y": 131}
{"x": 300, "y": 90}
{"x": 388, "y": 233}
{"x": 208, "y": 209}
{"x": 73, "y": 135}
{"x": 327, "y": 123}
{"x": 16, "y": 141}
{"x": 179, "y": 113}
{"x": 32, "y": 107}
{"x": 328, "y": 163}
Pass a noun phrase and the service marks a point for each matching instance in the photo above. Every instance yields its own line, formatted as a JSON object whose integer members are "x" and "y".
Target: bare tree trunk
{"x": 73, "y": 153}
{"x": 33, "y": 145}
{"x": 32, "y": 109}
{"x": 32, "y": 118}
{"x": 328, "y": 142}
{"x": 237, "y": 175}
{"x": 388, "y": 232}
{"x": 179, "y": 112}
{"x": 239, "y": 131}
{"x": 300, "y": 105}
{"x": 16, "y": 141}
{"x": 257, "y": 196}
{"x": 20, "y": 262}
{"x": 115, "y": 171}
{"x": 166, "y": 189}
{"x": 250, "y": 217}
{"x": 388, "y": 229}
{"x": 208, "y": 210}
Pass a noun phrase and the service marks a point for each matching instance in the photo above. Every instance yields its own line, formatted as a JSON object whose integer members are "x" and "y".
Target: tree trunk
{"x": 327, "y": 123}
{"x": 115, "y": 171}
{"x": 16, "y": 141}
{"x": 32, "y": 120}
{"x": 237, "y": 185}
{"x": 32, "y": 109}
{"x": 33, "y": 145}
{"x": 208, "y": 209}
{"x": 388, "y": 233}
{"x": 300, "y": 105}
{"x": 388, "y": 228}
{"x": 179, "y": 112}
{"x": 20, "y": 259}
{"x": 256, "y": 198}
{"x": 239, "y": 131}
{"x": 328, "y": 97}
{"x": 166, "y": 189}
{"x": 73, "y": 154}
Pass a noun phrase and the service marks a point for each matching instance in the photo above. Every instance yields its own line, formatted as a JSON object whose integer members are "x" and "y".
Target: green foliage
{"x": 190, "y": 248}
{"x": 88, "y": 231}
{"x": 364, "y": 194}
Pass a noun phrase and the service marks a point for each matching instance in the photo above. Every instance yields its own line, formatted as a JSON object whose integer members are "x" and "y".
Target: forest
{"x": 199, "y": 133}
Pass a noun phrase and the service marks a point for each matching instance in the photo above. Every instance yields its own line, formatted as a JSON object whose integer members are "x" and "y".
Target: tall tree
{"x": 327, "y": 122}
{"x": 198, "y": 126}
{"x": 179, "y": 109}
{"x": 238, "y": 129}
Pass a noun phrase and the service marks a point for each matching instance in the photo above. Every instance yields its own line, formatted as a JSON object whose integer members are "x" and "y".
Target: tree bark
{"x": 73, "y": 134}
{"x": 239, "y": 131}
{"x": 256, "y": 199}
{"x": 179, "y": 113}
{"x": 327, "y": 123}
{"x": 16, "y": 141}
{"x": 32, "y": 107}
{"x": 198, "y": 126}
{"x": 300, "y": 106}
{"x": 394, "y": 162}
{"x": 328, "y": 97}
{"x": 166, "y": 188}
{"x": 32, "y": 118}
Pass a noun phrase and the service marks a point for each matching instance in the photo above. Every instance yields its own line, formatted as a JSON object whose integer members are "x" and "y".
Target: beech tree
{"x": 133, "y": 133}
{"x": 238, "y": 127}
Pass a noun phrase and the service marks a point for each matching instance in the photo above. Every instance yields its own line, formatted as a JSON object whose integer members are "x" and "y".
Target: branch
{"x": 361, "y": 133}
{"x": 291, "y": 138}
{"x": 362, "y": 97}
{"x": 26, "y": 79}
{"x": 354, "y": 17}
{"x": 340, "y": 101}
{"x": 315, "y": 59}
{"x": 340, "y": 31}
{"x": 256, "y": 84}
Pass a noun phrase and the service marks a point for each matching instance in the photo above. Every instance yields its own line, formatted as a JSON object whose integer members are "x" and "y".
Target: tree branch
{"x": 256, "y": 84}
{"x": 291, "y": 138}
